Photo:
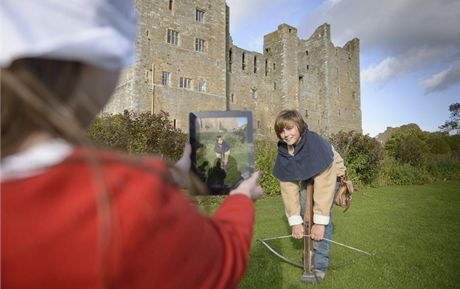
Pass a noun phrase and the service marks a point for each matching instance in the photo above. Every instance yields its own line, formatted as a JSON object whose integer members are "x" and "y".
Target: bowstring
{"x": 347, "y": 261}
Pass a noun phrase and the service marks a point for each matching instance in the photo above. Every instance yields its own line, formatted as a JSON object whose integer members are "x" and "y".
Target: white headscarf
{"x": 98, "y": 32}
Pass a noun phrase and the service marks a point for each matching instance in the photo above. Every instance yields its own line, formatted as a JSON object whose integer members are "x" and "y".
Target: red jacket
{"x": 56, "y": 231}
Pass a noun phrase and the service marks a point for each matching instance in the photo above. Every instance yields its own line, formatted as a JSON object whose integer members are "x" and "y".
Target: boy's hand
{"x": 297, "y": 231}
{"x": 317, "y": 232}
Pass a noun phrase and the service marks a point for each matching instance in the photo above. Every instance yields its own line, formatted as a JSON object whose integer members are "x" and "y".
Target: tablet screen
{"x": 222, "y": 148}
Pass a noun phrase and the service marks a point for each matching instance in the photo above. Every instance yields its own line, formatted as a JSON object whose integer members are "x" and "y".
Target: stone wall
{"x": 312, "y": 75}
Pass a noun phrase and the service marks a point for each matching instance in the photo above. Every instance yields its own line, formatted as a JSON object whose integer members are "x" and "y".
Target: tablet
{"x": 222, "y": 148}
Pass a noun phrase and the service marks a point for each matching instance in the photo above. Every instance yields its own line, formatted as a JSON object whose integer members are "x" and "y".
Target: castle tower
{"x": 181, "y": 63}
{"x": 280, "y": 51}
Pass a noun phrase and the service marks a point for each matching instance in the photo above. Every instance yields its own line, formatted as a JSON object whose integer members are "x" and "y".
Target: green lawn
{"x": 413, "y": 230}
{"x": 207, "y": 159}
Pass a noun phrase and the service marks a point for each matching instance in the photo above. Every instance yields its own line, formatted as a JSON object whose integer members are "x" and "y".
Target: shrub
{"x": 454, "y": 144}
{"x": 408, "y": 146}
{"x": 362, "y": 155}
{"x": 266, "y": 153}
{"x": 437, "y": 143}
{"x": 443, "y": 169}
{"x": 139, "y": 133}
{"x": 394, "y": 173}
{"x": 410, "y": 150}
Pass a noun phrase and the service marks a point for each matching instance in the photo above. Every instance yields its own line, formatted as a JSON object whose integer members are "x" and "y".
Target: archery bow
{"x": 287, "y": 260}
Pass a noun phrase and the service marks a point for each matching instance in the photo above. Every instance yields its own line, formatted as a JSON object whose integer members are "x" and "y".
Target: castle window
{"x": 255, "y": 64}
{"x": 267, "y": 50}
{"x": 301, "y": 78}
{"x": 254, "y": 93}
{"x": 232, "y": 97}
{"x": 174, "y": 123}
{"x": 165, "y": 78}
{"x": 172, "y": 37}
{"x": 199, "y": 45}
{"x": 185, "y": 83}
{"x": 170, "y": 4}
{"x": 243, "y": 61}
{"x": 230, "y": 60}
{"x": 258, "y": 123}
{"x": 274, "y": 85}
{"x": 199, "y": 15}
{"x": 353, "y": 95}
{"x": 274, "y": 66}
{"x": 308, "y": 67}
{"x": 202, "y": 86}
{"x": 266, "y": 67}
{"x": 306, "y": 52}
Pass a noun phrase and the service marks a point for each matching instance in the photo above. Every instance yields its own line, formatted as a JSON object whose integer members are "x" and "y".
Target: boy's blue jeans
{"x": 320, "y": 248}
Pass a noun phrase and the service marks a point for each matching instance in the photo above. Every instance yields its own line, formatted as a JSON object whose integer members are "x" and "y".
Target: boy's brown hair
{"x": 289, "y": 118}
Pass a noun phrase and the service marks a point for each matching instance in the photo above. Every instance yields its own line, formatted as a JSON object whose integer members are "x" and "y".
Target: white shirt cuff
{"x": 295, "y": 220}
{"x": 320, "y": 219}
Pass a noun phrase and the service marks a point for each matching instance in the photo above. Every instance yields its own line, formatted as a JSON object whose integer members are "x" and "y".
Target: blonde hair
{"x": 288, "y": 119}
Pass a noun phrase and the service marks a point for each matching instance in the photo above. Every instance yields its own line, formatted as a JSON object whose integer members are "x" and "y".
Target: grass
{"x": 414, "y": 232}
{"x": 207, "y": 160}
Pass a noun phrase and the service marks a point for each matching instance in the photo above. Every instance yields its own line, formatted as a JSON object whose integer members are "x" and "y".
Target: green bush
{"x": 394, "y": 173}
{"x": 361, "y": 153}
{"x": 437, "y": 143}
{"x": 408, "y": 146}
{"x": 266, "y": 153}
{"x": 443, "y": 169}
{"x": 454, "y": 144}
{"x": 139, "y": 133}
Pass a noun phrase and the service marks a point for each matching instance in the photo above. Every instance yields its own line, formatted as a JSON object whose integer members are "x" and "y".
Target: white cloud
{"x": 408, "y": 34}
{"x": 443, "y": 79}
{"x": 394, "y": 66}
{"x": 393, "y": 25}
{"x": 380, "y": 72}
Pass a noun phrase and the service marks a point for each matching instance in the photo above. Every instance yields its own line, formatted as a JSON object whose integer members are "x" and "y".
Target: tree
{"x": 362, "y": 154}
{"x": 453, "y": 125}
{"x": 408, "y": 146}
{"x": 437, "y": 143}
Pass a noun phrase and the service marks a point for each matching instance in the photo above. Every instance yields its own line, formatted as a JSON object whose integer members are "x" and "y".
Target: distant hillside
{"x": 385, "y": 136}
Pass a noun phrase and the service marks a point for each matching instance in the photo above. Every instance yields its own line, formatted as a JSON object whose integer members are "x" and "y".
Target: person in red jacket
{"x": 77, "y": 217}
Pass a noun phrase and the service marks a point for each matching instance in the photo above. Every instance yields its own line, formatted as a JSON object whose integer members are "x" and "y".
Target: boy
{"x": 305, "y": 158}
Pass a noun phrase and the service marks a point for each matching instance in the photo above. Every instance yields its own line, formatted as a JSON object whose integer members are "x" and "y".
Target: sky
{"x": 410, "y": 50}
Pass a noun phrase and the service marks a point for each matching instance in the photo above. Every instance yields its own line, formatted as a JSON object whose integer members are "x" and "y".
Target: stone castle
{"x": 187, "y": 62}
